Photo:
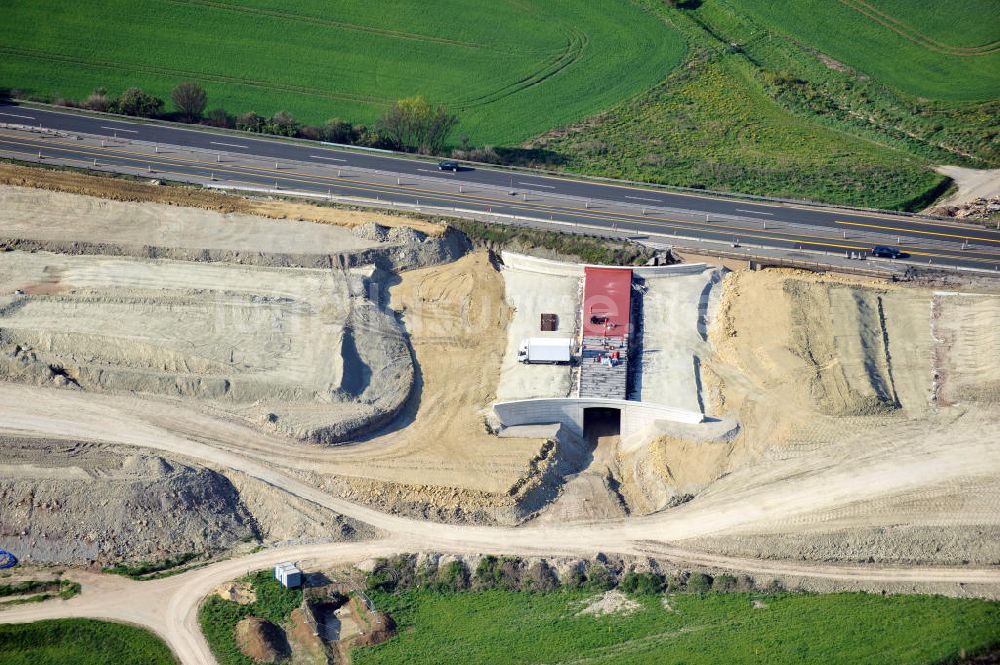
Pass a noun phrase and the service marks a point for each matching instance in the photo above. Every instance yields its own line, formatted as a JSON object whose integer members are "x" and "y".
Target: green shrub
{"x": 68, "y": 589}
{"x": 723, "y": 583}
{"x": 454, "y": 576}
{"x": 28, "y": 586}
{"x": 642, "y": 583}
{"x": 148, "y": 569}
{"x": 138, "y": 103}
{"x": 487, "y": 575}
{"x": 699, "y": 582}
{"x": 599, "y": 578}
{"x": 539, "y": 576}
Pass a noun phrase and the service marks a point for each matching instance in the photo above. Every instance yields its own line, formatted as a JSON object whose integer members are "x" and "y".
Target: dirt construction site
{"x": 195, "y": 372}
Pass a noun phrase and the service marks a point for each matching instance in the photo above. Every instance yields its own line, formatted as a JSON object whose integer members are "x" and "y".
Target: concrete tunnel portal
{"x": 600, "y": 423}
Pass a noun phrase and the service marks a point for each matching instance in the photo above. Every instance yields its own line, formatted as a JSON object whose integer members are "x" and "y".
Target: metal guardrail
{"x": 733, "y": 196}
{"x": 640, "y": 211}
{"x": 580, "y": 228}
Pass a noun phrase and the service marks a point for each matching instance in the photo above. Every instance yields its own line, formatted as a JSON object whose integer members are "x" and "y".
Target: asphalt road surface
{"x": 195, "y": 154}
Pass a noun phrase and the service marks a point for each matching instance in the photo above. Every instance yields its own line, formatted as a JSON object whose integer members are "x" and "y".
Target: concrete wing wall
{"x": 568, "y": 411}
{"x": 545, "y": 266}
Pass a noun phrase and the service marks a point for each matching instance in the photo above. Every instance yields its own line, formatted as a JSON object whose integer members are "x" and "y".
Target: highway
{"x": 195, "y": 154}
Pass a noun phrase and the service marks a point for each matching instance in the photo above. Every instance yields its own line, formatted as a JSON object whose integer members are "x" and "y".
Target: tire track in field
{"x": 344, "y": 25}
{"x": 204, "y": 76}
{"x": 911, "y": 34}
{"x": 574, "y": 50}
{"x": 576, "y": 41}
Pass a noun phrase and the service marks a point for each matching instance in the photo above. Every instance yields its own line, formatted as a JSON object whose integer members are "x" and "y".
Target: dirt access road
{"x": 748, "y": 500}
{"x": 169, "y": 606}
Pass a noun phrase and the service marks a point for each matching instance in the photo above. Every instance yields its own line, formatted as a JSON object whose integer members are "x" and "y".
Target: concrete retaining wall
{"x": 636, "y": 416}
{"x": 545, "y": 266}
{"x": 563, "y": 269}
{"x": 679, "y": 270}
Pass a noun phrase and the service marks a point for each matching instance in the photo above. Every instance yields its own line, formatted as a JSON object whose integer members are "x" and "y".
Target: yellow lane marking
{"x": 485, "y": 200}
{"x": 694, "y": 195}
{"x": 388, "y": 189}
{"x": 926, "y": 233}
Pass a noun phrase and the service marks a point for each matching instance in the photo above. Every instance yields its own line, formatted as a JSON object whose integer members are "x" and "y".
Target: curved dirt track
{"x": 169, "y": 606}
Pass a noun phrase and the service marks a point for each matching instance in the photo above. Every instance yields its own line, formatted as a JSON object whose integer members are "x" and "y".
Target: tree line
{"x": 412, "y": 124}
{"x": 402, "y": 572}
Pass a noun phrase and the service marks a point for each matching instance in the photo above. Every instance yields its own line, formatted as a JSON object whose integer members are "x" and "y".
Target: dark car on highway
{"x": 888, "y": 252}
{"x": 449, "y": 165}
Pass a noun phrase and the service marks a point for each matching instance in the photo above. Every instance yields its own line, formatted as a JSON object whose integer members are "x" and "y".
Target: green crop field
{"x": 504, "y": 628}
{"x": 81, "y": 642}
{"x": 757, "y": 108}
{"x": 510, "y": 69}
{"x": 838, "y": 101}
{"x": 948, "y": 51}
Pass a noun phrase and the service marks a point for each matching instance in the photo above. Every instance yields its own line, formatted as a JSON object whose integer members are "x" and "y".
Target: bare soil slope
{"x": 77, "y": 502}
{"x": 303, "y": 351}
{"x": 884, "y": 397}
{"x": 120, "y": 189}
{"x": 439, "y": 459}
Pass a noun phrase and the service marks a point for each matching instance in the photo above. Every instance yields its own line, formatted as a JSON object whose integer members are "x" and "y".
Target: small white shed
{"x": 289, "y": 575}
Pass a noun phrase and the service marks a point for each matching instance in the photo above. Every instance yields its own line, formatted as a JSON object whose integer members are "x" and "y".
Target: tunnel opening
{"x": 601, "y": 423}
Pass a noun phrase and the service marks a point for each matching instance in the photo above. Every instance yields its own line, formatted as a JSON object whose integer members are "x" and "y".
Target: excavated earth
{"x": 303, "y": 331}
{"x": 850, "y": 419}
{"x": 880, "y": 401}
{"x": 76, "y": 502}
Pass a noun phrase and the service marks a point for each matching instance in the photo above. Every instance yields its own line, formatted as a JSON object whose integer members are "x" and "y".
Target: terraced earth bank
{"x": 271, "y": 345}
{"x": 878, "y": 402}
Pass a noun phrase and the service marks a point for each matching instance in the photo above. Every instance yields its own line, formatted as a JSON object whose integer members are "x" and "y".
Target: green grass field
{"x": 218, "y": 617}
{"x": 81, "y": 642}
{"x": 509, "y": 69}
{"x": 714, "y": 127}
{"x": 947, "y": 51}
{"x": 755, "y": 110}
{"x": 504, "y": 628}
{"x": 732, "y": 95}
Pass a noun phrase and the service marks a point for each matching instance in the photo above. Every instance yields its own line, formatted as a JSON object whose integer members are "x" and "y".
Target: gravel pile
{"x": 80, "y": 503}
{"x": 372, "y": 231}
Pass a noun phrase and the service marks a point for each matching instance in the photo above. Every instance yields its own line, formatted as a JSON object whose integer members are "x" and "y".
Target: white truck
{"x": 545, "y": 350}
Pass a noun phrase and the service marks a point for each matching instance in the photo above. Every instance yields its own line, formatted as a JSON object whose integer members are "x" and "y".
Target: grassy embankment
{"x": 81, "y": 642}
{"x": 761, "y": 111}
{"x": 37, "y": 591}
{"x": 585, "y": 249}
{"x": 841, "y": 102}
{"x": 218, "y": 617}
{"x": 504, "y": 627}
{"x": 510, "y": 70}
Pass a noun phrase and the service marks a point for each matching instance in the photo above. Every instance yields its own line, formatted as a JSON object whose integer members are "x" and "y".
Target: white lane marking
{"x": 430, "y": 170}
{"x": 14, "y": 115}
{"x": 756, "y": 212}
{"x": 531, "y": 184}
{"x": 229, "y": 145}
{"x": 332, "y": 159}
{"x": 639, "y": 198}
{"x": 119, "y": 129}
